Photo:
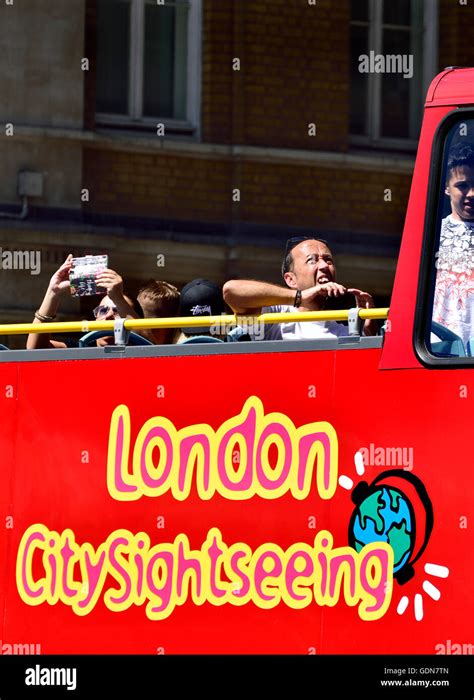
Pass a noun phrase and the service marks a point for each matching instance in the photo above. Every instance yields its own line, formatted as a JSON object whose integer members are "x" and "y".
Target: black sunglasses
{"x": 292, "y": 242}
{"x": 100, "y": 311}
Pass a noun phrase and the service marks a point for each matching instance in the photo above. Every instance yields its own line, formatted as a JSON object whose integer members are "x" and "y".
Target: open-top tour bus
{"x": 258, "y": 497}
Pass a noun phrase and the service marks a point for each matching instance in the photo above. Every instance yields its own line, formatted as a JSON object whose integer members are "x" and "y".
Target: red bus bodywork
{"x": 62, "y": 477}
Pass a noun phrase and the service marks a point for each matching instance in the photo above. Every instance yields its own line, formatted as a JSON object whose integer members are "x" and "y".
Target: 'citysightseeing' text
{"x": 166, "y": 575}
{"x": 129, "y": 569}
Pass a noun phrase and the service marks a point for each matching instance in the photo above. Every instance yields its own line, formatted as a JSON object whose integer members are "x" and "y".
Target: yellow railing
{"x": 138, "y": 324}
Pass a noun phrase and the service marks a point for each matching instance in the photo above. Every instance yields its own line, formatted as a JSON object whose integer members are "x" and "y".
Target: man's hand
{"x": 112, "y": 282}
{"x": 59, "y": 282}
{"x": 363, "y": 299}
{"x": 329, "y": 289}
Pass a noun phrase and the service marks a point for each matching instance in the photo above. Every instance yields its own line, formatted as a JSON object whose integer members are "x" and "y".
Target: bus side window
{"x": 451, "y": 333}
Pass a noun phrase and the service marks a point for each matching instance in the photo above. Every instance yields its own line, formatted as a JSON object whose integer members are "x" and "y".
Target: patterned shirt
{"x": 454, "y": 292}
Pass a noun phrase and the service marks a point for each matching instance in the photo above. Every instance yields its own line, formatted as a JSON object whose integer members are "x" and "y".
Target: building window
{"x": 148, "y": 63}
{"x": 393, "y": 60}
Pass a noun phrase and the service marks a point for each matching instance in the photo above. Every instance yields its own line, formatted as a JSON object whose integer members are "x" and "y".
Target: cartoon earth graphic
{"x": 385, "y": 515}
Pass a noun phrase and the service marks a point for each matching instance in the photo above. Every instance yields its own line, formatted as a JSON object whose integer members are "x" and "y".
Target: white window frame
{"x": 430, "y": 60}
{"x": 192, "y": 123}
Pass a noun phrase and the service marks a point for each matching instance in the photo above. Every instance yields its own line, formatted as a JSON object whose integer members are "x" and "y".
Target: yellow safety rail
{"x": 137, "y": 324}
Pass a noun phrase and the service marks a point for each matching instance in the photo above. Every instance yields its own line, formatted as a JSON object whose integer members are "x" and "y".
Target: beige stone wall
{"x": 42, "y": 46}
{"x": 41, "y": 84}
{"x": 59, "y": 162}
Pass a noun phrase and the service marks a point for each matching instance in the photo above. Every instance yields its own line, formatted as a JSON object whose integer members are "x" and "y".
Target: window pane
{"x": 113, "y": 56}
{"x": 397, "y": 12}
{"x": 452, "y": 328}
{"x": 181, "y": 61}
{"x": 165, "y": 61}
{"x": 395, "y": 87}
{"x": 360, "y": 10}
{"x": 359, "y": 82}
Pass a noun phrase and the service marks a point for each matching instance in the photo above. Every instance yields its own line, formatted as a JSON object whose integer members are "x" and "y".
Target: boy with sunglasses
{"x": 310, "y": 275}
{"x": 115, "y": 305}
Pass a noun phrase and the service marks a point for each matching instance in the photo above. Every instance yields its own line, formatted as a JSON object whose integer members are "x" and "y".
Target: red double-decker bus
{"x": 304, "y": 497}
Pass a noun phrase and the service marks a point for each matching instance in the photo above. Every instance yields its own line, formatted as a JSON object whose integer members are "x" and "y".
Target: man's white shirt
{"x": 301, "y": 330}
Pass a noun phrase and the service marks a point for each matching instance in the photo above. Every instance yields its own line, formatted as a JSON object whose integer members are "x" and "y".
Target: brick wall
{"x": 157, "y": 185}
{"x": 283, "y": 84}
{"x": 217, "y": 74}
{"x": 310, "y": 196}
{"x": 281, "y": 194}
{"x": 294, "y": 71}
{"x": 456, "y": 34}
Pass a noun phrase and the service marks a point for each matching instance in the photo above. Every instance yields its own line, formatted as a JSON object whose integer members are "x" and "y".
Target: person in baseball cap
{"x": 200, "y": 297}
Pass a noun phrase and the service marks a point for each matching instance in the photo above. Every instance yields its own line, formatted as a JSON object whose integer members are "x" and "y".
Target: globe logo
{"x": 384, "y": 515}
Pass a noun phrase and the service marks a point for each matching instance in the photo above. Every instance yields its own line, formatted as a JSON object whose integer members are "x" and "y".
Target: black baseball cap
{"x": 201, "y": 298}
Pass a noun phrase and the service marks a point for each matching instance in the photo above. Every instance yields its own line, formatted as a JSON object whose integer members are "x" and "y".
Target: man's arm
{"x": 249, "y": 296}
